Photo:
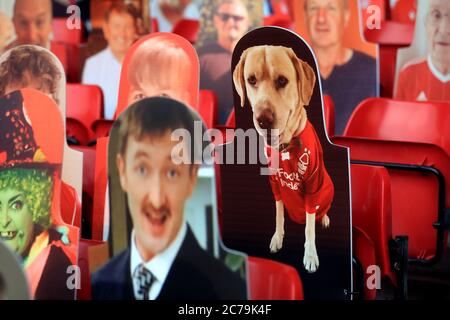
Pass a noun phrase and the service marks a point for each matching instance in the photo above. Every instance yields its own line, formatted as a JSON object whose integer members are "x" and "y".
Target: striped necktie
{"x": 143, "y": 281}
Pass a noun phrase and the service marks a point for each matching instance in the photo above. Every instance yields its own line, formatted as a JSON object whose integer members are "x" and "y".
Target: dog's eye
{"x": 281, "y": 82}
{"x": 251, "y": 80}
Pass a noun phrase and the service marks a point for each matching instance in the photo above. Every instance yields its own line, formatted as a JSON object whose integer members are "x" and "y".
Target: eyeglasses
{"x": 226, "y": 16}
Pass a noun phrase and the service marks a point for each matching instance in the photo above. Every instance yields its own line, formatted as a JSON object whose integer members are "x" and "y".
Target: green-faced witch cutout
{"x": 30, "y": 165}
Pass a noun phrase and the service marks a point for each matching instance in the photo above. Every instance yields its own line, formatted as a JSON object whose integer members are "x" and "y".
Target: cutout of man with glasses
{"x": 231, "y": 21}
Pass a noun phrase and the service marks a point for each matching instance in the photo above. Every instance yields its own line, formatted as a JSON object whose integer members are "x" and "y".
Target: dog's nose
{"x": 265, "y": 119}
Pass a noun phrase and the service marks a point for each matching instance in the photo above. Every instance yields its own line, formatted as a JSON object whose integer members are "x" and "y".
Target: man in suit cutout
{"x": 164, "y": 261}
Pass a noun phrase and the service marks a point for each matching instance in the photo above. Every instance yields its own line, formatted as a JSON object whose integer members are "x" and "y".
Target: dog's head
{"x": 277, "y": 85}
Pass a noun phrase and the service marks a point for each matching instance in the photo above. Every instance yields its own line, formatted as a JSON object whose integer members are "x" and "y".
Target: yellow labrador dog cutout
{"x": 278, "y": 86}
{"x": 292, "y": 204}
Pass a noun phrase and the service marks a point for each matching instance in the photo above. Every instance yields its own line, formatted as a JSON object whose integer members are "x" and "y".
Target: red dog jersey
{"x": 301, "y": 181}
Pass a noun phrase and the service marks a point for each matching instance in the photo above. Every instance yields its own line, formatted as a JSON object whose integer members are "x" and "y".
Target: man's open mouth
{"x": 157, "y": 218}
{"x": 8, "y": 235}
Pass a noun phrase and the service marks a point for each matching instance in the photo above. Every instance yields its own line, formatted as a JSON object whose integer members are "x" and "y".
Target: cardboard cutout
{"x": 31, "y": 147}
{"x": 423, "y": 69}
{"x": 159, "y": 64}
{"x": 307, "y": 179}
{"x": 13, "y": 284}
{"x": 222, "y": 24}
{"x": 352, "y": 76}
{"x": 171, "y": 209}
{"x": 47, "y": 76}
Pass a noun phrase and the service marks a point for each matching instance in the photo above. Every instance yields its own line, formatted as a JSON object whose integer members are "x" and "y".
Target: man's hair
{"x": 122, "y": 8}
{"x": 220, "y": 3}
{"x": 154, "y": 117}
{"x": 346, "y": 6}
{"x": 36, "y": 186}
{"x": 29, "y": 63}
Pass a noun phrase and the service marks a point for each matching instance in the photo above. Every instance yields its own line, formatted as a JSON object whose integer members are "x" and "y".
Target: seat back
{"x": 188, "y": 29}
{"x": 372, "y": 211}
{"x": 271, "y": 280}
{"x": 155, "y": 25}
{"x": 62, "y": 33}
{"x": 390, "y": 37}
{"x": 280, "y": 20}
{"x": 101, "y": 128}
{"x": 328, "y": 113}
{"x": 208, "y": 107}
{"x": 387, "y": 119}
{"x": 100, "y": 185}
{"x": 70, "y": 205}
{"x": 420, "y": 184}
{"x": 404, "y": 11}
{"x": 59, "y": 50}
{"x": 364, "y": 252}
{"x": 76, "y": 130}
{"x": 84, "y": 103}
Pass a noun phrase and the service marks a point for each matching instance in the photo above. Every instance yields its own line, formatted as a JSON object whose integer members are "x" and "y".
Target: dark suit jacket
{"x": 194, "y": 274}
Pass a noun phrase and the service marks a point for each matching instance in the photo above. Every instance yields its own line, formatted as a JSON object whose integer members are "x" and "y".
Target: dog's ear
{"x": 238, "y": 77}
{"x": 306, "y": 78}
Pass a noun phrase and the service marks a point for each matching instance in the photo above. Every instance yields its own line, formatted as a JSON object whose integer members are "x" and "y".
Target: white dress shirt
{"x": 103, "y": 69}
{"x": 159, "y": 265}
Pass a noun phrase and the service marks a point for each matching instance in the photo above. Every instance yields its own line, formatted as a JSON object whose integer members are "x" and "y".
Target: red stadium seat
{"x": 364, "y": 251}
{"x": 381, "y": 4}
{"x": 208, "y": 107}
{"x": 100, "y": 186}
{"x": 386, "y": 119}
{"x": 155, "y": 25}
{"x": 404, "y": 11}
{"x": 85, "y": 104}
{"x": 283, "y": 21}
{"x": 70, "y": 205}
{"x": 390, "y": 38}
{"x": 188, "y": 29}
{"x": 420, "y": 184}
{"x": 61, "y": 33}
{"x": 101, "y": 128}
{"x": 59, "y": 50}
{"x": 372, "y": 210}
{"x": 84, "y": 293}
{"x": 76, "y": 132}
{"x": 328, "y": 109}
{"x": 272, "y": 280}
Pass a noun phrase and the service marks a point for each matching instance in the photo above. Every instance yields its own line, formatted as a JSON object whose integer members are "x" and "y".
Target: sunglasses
{"x": 225, "y": 17}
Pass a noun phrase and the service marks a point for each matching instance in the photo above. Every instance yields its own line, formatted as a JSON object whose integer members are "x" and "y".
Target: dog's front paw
{"x": 325, "y": 221}
{"x": 277, "y": 242}
{"x": 310, "y": 259}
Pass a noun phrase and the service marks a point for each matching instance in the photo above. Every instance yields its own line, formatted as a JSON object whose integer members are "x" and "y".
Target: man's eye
{"x": 281, "y": 82}
{"x": 141, "y": 170}
{"x": 23, "y": 23}
{"x": 172, "y": 174}
{"x": 39, "y": 24}
{"x": 436, "y": 15}
{"x": 17, "y": 205}
{"x": 252, "y": 80}
{"x": 332, "y": 8}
